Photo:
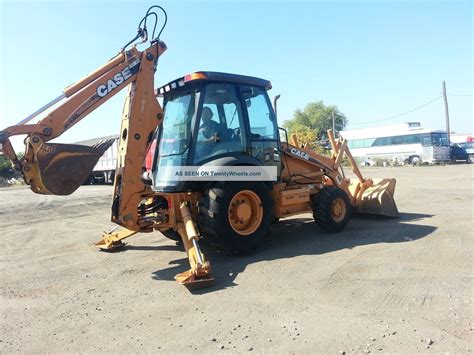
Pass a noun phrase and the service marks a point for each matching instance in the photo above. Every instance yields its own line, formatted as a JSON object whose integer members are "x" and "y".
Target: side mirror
{"x": 285, "y": 134}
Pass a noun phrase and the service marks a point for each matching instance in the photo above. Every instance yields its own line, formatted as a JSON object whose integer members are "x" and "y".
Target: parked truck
{"x": 465, "y": 141}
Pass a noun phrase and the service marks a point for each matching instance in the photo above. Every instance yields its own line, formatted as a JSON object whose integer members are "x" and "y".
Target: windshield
{"x": 435, "y": 140}
{"x": 176, "y": 137}
{"x": 439, "y": 139}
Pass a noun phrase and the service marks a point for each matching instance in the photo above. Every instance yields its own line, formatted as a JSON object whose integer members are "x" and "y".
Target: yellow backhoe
{"x": 211, "y": 122}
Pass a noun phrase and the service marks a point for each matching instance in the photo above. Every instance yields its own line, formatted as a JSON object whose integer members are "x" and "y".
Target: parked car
{"x": 458, "y": 153}
{"x": 469, "y": 146}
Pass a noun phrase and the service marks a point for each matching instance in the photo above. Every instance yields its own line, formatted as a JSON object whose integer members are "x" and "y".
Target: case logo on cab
{"x": 299, "y": 153}
{"x": 118, "y": 79}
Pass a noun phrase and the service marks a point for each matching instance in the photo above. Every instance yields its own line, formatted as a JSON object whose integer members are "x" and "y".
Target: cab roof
{"x": 212, "y": 76}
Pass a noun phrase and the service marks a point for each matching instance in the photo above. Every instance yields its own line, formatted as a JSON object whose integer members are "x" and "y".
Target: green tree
{"x": 4, "y": 163}
{"x": 6, "y": 169}
{"x": 5, "y": 166}
{"x": 315, "y": 120}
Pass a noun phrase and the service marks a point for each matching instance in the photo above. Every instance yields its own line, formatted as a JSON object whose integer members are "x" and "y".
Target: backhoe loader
{"x": 210, "y": 120}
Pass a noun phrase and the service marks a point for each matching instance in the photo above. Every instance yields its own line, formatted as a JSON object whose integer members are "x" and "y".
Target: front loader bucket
{"x": 378, "y": 199}
{"x": 65, "y": 167}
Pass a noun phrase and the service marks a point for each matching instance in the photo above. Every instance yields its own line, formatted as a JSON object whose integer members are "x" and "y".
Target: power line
{"x": 401, "y": 114}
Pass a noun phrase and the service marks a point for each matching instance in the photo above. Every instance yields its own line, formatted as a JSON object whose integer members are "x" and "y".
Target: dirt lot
{"x": 382, "y": 285}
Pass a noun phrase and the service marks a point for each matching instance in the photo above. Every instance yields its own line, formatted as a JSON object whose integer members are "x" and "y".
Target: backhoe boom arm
{"x": 60, "y": 169}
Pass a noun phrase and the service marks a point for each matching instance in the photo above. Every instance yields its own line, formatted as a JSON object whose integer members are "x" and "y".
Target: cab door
{"x": 263, "y": 129}
{"x": 220, "y": 134}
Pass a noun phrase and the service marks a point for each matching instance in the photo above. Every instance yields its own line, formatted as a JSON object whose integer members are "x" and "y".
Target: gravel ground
{"x": 382, "y": 285}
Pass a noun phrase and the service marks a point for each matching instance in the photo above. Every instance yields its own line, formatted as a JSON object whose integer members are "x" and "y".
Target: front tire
{"x": 415, "y": 160}
{"x": 236, "y": 216}
{"x": 331, "y": 209}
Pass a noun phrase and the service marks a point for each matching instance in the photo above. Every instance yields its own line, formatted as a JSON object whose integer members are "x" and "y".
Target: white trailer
{"x": 104, "y": 170}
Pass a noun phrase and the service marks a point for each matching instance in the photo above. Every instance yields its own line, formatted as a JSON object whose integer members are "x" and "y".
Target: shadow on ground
{"x": 295, "y": 237}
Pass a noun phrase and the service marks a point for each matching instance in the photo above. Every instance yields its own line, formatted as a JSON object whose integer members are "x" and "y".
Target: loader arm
{"x": 366, "y": 195}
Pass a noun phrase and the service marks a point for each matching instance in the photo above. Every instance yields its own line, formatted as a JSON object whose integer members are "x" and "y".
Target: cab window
{"x": 263, "y": 128}
{"x": 261, "y": 118}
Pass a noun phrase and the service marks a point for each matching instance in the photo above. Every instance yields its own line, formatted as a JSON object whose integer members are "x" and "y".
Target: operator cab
{"x": 216, "y": 119}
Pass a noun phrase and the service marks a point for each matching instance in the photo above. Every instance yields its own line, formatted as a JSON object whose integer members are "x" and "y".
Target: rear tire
{"x": 236, "y": 216}
{"x": 331, "y": 209}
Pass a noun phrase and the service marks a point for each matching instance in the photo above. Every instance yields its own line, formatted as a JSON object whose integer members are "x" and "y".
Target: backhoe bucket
{"x": 65, "y": 167}
{"x": 378, "y": 199}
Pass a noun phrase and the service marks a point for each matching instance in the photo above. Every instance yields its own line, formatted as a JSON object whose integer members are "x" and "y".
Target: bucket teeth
{"x": 103, "y": 144}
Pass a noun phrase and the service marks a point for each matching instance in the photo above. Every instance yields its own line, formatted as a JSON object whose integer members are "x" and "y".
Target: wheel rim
{"x": 245, "y": 212}
{"x": 338, "y": 209}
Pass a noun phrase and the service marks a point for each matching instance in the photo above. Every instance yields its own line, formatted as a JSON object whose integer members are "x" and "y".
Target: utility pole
{"x": 446, "y": 112}
{"x": 333, "y": 124}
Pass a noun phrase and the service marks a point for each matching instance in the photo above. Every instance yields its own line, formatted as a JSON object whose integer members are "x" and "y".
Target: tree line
{"x": 311, "y": 123}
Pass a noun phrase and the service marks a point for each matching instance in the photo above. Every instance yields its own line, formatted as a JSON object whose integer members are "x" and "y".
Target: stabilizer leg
{"x": 199, "y": 275}
{"x": 112, "y": 240}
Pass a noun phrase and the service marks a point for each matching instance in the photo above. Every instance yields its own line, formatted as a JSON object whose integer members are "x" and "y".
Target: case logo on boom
{"x": 118, "y": 79}
{"x": 299, "y": 153}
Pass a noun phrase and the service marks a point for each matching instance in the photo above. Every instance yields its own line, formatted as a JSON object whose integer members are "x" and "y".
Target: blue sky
{"x": 373, "y": 59}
